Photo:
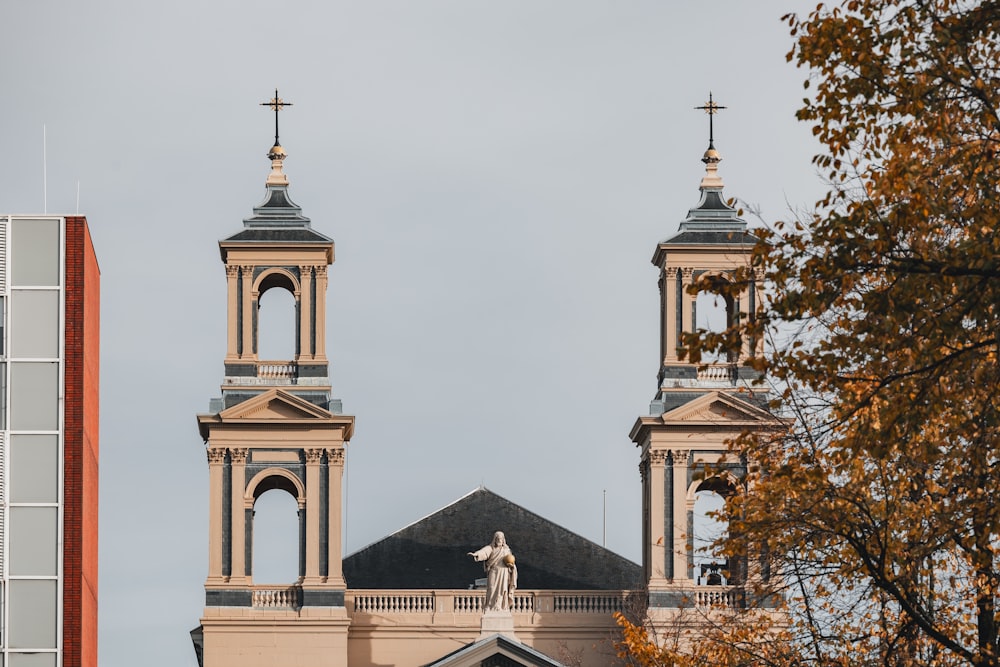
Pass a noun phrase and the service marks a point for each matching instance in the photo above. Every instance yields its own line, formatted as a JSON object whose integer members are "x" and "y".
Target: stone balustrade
{"x": 276, "y": 597}
{"x": 717, "y": 373}
{"x": 472, "y": 602}
{"x": 398, "y": 603}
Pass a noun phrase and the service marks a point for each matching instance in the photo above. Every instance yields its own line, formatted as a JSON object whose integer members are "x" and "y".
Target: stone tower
{"x": 275, "y": 427}
{"x": 697, "y": 407}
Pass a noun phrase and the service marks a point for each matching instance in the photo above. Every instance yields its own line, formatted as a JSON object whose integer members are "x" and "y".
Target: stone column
{"x": 247, "y": 306}
{"x": 659, "y": 544}
{"x": 216, "y": 461}
{"x": 687, "y": 301}
{"x": 232, "y": 334}
{"x": 313, "y": 456}
{"x": 335, "y": 565}
{"x": 321, "y": 281}
{"x": 681, "y": 536}
{"x": 238, "y": 461}
{"x": 306, "y": 352}
{"x": 670, "y": 316}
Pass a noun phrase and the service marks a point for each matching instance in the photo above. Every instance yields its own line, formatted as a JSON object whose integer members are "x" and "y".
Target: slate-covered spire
{"x": 712, "y": 212}
{"x": 277, "y": 209}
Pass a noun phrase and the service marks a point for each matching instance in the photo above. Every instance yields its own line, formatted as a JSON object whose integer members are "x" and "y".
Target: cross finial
{"x": 711, "y": 108}
{"x": 277, "y": 104}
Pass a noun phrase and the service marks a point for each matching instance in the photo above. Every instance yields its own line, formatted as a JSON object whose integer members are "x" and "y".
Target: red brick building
{"x": 49, "y": 394}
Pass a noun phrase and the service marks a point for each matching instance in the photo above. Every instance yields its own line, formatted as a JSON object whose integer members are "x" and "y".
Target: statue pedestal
{"x": 497, "y": 623}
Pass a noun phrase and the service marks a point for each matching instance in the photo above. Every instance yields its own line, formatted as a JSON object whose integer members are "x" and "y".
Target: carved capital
{"x": 313, "y": 455}
{"x": 335, "y": 456}
{"x": 247, "y": 270}
{"x": 681, "y": 458}
{"x": 305, "y": 271}
{"x": 216, "y": 455}
{"x": 232, "y": 271}
{"x": 671, "y": 273}
{"x": 687, "y": 274}
{"x": 657, "y": 456}
{"x": 320, "y": 271}
{"x": 643, "y": 470}
{"x": 238, "y": 455}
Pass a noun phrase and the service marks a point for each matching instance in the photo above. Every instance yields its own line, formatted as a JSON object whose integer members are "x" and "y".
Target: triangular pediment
{"x": 274, "y": 405}
{"x": 496, "y": 651}
{"x": 723, "y": 408}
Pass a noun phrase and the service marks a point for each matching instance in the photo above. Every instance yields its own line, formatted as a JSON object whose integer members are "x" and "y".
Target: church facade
{"x": 415, "y": 597}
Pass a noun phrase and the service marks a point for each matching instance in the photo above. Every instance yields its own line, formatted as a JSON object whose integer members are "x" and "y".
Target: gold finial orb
{"x": 276, "y": 152}
{"x": 509, "y": 559}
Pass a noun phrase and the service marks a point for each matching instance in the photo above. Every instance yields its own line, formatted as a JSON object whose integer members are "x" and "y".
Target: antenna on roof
{"x": 45, "y": 176}
{"x": 605, "y": 542}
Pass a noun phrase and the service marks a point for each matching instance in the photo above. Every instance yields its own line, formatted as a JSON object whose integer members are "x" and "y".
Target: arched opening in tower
{"x": 276, "y": 538}
{"x": 276, "y": 329}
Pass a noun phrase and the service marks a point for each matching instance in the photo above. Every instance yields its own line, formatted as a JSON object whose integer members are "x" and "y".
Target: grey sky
{"x": 496, "y": 176}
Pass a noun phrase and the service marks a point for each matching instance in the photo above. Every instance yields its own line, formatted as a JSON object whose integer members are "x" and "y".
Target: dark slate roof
{"x": 277, "y": 210}
{"x": 700, "y": 237}
{"x": 433, "y": 552}
{"x": 285, "y": 235}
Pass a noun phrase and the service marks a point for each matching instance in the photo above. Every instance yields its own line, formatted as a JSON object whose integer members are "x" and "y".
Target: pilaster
{"x": 659, "y": 541}
{"x": 232, "y": 311}
{"x": 687, "y": 301}
{"x": 335, "y": 565}
{"x": 237, "y": 461}
{"x": 216, "y": 461}
{"x": 681, "y": 531}
{"x": 313, "y": 456}
{"x": 305, "y": 300}
{"x": 321, "y": 283}
{"x": 247, "y": 348}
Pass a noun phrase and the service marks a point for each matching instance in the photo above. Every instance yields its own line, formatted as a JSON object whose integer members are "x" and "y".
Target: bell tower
{"x": 275, "y": 428}
{"x": 697, "y": 407}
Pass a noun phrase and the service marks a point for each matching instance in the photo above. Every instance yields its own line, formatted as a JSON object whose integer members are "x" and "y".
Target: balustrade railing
{"x": 587, "y": 604}
{"x": 719, "y": 373}
{"x": 277, "y": 370}
{"x": 718, "y": 596}
{"x": 270, "y": 597}
{"x": 474, "y": 602}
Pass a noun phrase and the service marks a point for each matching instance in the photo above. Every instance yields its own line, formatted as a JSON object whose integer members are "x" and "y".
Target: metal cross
{"x": 277, "y": 104}
{"x": 711, "y": 108}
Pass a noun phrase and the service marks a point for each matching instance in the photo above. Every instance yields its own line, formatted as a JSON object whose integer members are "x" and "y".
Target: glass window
{"x": 32, "y": 660}
{"x": 34, "y": 396}
{"x": 34, "y": 252}
{"x": 3, "y": 339}
{"x": 34, "y": 468}
{"x": 32, "y": 545}
{"x": 32, "y": 613}
{"x": 34, "y": 327}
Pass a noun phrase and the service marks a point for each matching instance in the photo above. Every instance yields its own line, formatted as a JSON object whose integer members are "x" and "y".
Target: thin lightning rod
{"x": 45, "y": 176}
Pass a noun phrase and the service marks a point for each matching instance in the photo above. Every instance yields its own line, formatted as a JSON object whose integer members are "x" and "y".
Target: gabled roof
{"x": 496, "y": 651}
{"x": 432, "y": 553}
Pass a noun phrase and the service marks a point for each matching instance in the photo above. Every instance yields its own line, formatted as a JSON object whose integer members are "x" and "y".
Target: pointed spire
{"x": 277, "y": 209}
{"x": 277, "y": 153}
{"x": 711, "y": 179}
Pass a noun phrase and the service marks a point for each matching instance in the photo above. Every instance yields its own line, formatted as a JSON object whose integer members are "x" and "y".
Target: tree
{"x": 878, "y": 508}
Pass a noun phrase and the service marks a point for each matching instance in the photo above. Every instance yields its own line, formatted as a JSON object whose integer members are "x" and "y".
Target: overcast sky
{"x": 496, "y": 176}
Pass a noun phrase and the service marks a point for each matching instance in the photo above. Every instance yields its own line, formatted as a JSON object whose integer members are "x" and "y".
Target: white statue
{"x": 501, "y": 573}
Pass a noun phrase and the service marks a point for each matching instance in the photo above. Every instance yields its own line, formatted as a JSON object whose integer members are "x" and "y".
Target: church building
{"x": 276, "y": 425}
